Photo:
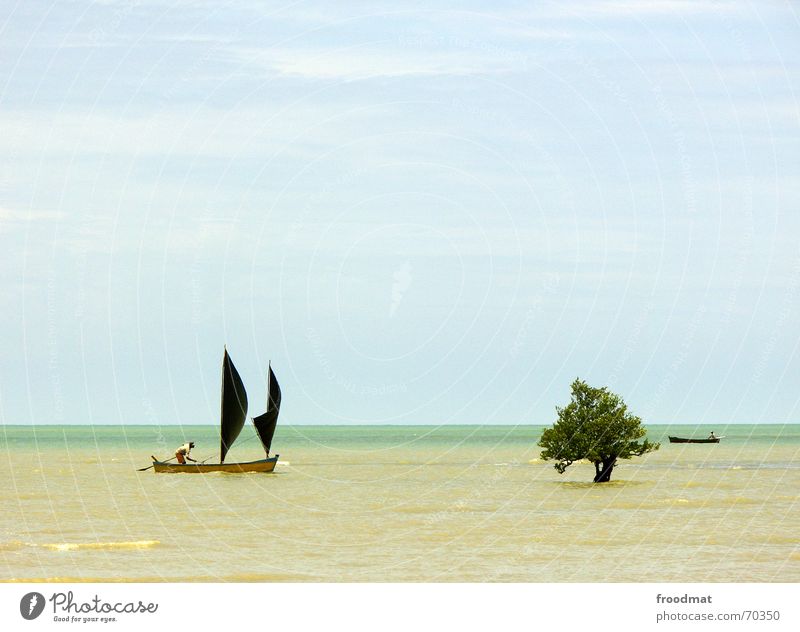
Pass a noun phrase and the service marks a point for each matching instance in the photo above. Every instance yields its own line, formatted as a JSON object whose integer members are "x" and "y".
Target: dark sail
{"x": 233, "y": 408}
{"x": 265, "y": 424}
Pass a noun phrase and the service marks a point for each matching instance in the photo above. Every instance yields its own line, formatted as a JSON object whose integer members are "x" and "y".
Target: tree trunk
{"x": 602, "y": 470}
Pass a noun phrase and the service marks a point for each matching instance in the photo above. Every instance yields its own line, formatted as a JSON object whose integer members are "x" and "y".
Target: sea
{"x": 396, "y": 504}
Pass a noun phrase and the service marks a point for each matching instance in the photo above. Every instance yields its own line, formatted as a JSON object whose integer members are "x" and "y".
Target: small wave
{"x": 600, "y": 486}
{"x": 695, "y": 484}
{"x": 741, "y": 466}
{"x": 68, "y": 579}
{"x": 711, "y": 502}
{"x": 415, "y": 510}
{"x": 742, "y": 500}
{"x": 254, "y": 577}
{"x": 78, "y": 546}
{"x": 13, "y": 545}
{"x": 782, "y": 539}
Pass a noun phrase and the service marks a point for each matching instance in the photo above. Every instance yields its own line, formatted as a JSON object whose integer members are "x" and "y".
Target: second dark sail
{"x": 265, "y": 424}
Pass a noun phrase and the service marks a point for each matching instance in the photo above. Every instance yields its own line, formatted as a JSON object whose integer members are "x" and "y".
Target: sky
{"x": 418, "y": 212}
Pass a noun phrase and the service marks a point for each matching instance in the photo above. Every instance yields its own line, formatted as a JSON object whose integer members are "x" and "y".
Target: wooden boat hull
{"x": 264, "y": 465}
{"x": 681, "y": 440}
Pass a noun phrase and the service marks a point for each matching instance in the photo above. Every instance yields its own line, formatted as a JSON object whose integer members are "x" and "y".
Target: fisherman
{"x": 182, "y": 453}
{"x": 712, "y": 435}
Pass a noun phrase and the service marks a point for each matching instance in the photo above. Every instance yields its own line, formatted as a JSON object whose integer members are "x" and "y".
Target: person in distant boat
{"x": 182, "y": 453}
{"x": 712, "y": 435}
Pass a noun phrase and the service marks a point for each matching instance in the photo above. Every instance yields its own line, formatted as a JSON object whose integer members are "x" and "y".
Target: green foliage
{"x": 595, "y": 426}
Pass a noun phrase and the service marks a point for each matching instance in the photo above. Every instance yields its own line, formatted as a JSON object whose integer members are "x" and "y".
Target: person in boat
{"x": 182, "y": 453}
{"x": 712, "y": 435}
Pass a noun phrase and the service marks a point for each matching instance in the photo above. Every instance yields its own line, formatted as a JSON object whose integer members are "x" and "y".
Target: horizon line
{"x": 408, "y": 425}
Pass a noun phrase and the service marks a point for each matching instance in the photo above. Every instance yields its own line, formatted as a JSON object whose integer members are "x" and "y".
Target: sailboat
{"x": 233, "y": 411}
{"x": 682, "y": 440}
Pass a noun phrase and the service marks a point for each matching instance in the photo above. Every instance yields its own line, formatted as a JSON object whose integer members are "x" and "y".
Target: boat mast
{"x": 222, "y": 402}
{"x": 269, "y": 385}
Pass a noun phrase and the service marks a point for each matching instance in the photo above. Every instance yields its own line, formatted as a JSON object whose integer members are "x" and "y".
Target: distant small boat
{"x": 233, "y": 411}
{"x": 681, "y": 440}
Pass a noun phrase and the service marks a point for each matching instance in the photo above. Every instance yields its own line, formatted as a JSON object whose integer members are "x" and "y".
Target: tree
{"x": 595, "y": 426}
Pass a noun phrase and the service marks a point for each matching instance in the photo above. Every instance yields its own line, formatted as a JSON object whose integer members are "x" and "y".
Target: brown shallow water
{"x": 396, "y": 504}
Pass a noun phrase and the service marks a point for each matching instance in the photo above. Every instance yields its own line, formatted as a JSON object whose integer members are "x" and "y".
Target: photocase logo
{"x": 31, "y": 605}
{"x": 96, "y": 610}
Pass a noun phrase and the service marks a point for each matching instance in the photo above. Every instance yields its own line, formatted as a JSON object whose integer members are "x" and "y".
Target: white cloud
{"x": 18, "y": 215}
{"x": 405, "y": 58}
{"x": 652, "y": 7}
{"x": 201, "y": 132}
